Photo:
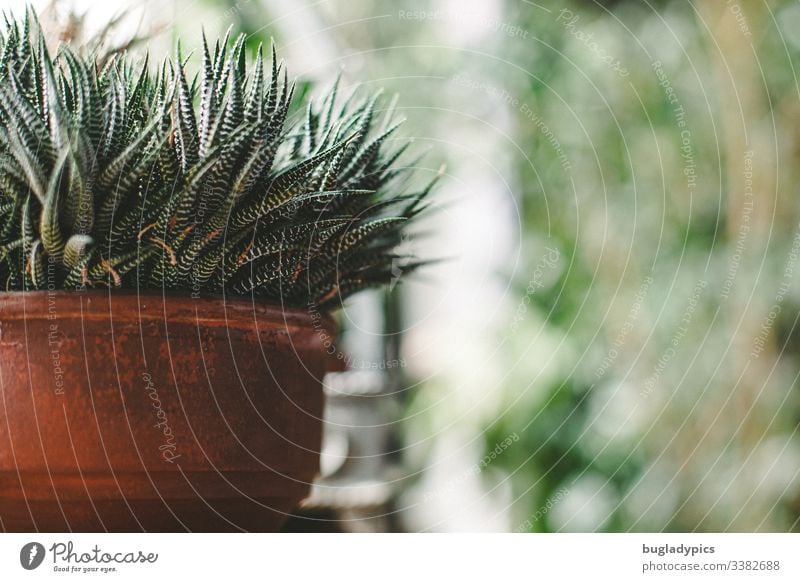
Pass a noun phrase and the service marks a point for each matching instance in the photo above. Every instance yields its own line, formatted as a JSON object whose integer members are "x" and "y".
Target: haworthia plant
{"x": 119, "y": 176}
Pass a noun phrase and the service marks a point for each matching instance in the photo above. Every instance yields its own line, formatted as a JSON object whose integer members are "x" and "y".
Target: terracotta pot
{"x": 126, "y": 412}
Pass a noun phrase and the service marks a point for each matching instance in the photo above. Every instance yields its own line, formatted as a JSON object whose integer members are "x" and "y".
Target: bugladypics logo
{"x": 31, "y": 555}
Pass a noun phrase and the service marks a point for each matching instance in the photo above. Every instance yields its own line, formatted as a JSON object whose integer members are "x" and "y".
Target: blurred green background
{"x": 611, "y": 342}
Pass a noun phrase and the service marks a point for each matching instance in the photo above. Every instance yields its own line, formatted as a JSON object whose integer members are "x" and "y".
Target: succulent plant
{"x": 117, "y": 176}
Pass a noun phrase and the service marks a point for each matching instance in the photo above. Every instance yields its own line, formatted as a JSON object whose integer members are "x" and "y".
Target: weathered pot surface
{"x": 131, "y": 412}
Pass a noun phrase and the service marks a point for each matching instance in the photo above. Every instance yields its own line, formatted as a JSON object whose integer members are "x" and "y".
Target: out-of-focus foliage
{"x": 621, "y": 308}
{"x": 671, "y": 194}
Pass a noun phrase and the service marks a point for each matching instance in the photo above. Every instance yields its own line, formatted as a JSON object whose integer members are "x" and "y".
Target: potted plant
{"x": 170, "y": 248}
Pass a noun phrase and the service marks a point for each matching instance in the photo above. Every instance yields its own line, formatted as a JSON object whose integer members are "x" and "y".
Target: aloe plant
{"x": 120, "y": 176}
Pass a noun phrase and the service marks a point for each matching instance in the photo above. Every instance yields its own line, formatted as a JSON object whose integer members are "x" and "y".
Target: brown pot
{"x": 131, "y": 412}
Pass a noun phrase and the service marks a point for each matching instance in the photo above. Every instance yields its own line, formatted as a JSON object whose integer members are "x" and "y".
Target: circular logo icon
{"x": 31, "y": 555}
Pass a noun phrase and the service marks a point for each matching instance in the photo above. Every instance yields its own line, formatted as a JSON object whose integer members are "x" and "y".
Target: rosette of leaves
{"x": 120, "y": 176}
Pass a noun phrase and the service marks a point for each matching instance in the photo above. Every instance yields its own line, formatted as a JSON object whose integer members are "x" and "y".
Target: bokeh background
{"x": 607, "y": 339}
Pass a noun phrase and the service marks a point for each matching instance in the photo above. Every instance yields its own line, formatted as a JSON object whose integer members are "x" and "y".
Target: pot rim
{"x": 160, "y": 305}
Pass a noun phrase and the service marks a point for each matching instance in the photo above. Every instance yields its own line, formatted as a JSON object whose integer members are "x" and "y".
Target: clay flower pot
{"x": 130, "y": 412}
